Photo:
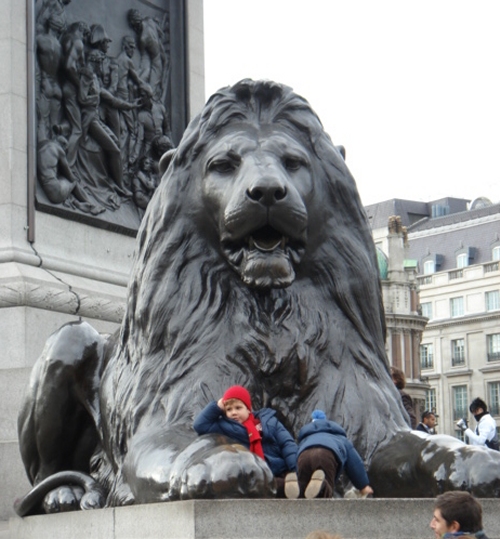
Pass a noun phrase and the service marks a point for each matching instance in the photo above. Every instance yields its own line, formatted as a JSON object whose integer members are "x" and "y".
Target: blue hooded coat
{"x": 328, "y": 434}
{"x": 280, "y": 449}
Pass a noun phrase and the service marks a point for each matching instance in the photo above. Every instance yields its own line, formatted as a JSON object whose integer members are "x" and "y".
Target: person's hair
{"x": 399, "y": 377}
{"x": 476, "y": 404}
{"x": 427, "y": 414}
{"x": 463, "y": 508}
{"x": 320, "y": 534}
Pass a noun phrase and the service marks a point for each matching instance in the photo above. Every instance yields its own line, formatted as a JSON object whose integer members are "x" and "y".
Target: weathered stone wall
{"x": 248, "y": 519}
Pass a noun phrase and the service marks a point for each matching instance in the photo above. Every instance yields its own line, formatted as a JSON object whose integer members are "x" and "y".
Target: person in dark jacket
{"x": 261, "y": 432}
{"x": 399, "y": 379}
{"x": 428, "y": 422}
{"x": 324, "y": 451}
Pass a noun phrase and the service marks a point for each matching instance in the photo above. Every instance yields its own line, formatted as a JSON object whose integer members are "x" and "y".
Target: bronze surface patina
{"x": 254, "y": 265}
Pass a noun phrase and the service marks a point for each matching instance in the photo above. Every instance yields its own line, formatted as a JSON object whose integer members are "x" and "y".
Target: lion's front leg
{"x": 178, "y": 465}
{"x": 422, "y": 466}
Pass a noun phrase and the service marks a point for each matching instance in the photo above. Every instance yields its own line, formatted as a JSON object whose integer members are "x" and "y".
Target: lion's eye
{"x": 222, "y": 166}
{"x": 293, "y": 163}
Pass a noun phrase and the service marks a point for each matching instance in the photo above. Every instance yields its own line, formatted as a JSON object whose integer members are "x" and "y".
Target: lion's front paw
{"x": 213, "y": 467}
{"x": 62, "y": 499}
{"x": 72, "y": 498}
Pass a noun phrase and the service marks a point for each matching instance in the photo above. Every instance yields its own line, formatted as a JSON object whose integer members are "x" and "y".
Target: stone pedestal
{"x": 71, "y": 270}
{"x": 248, "y": 519}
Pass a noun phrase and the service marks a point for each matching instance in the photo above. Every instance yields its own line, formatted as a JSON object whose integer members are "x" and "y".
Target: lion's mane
{"x": 192, "y": 327}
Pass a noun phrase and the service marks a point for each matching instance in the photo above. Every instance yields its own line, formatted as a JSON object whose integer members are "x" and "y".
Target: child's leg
{"x": 280, "y": 485}
{"x": 317, "y": 458}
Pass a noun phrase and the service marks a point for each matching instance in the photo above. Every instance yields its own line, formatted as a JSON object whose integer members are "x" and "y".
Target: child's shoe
{"x": 315, "y": 484}
{"x": 292, "y": 489}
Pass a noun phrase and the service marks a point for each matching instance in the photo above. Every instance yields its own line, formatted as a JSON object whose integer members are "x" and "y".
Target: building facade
{"x": 455, "y": 248}
{"x": 404, "y": 323}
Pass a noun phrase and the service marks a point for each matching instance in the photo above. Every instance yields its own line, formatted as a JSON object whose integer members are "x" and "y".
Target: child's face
{"x": 235, "y": 409}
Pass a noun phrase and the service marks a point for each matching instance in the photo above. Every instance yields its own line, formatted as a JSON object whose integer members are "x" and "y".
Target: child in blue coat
{"x": 260, "y": 431}
{"x": 324, "y": 451}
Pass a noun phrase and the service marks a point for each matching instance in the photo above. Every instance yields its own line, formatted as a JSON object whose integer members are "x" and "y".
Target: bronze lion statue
{"x": 254, "y": 265}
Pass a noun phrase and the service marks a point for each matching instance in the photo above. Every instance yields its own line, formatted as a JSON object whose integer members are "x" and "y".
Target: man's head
{"x": 478, "y": 406}
{"x": 456, "y": 511}
{"x": 398, "y": 377}
{"x": 429, "y": 419}
{"x": 128, "y": 45}
{"x": 99, "y": 39}
{"x": 135, "y": 20}
{"x": 237, "y": 403}
{"x": 63, "y": 142}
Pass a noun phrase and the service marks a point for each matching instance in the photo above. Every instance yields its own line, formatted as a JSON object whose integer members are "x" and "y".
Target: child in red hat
{"x": 259, "y": 431}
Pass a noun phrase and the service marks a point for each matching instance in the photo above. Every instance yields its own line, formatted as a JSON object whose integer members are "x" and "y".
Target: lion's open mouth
{"x": 265, "y": 257}
{"x": 266, "y": 239}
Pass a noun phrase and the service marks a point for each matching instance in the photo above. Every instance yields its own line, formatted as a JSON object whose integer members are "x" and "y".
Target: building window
{"x": 462, "y": 260}
{"x": 493, "y": 300}
{"x": 494, "y": 398}
{"x": 495, "y": 253}
{"x": 429, "y": 267}
{"x": 493, "y": 343}
{"x": 426, "y": 356}
{"x": 460, "y": 402}
{"x": 457, "y": 306}
{"x": 457, "y": 352}
{"x": 426, "y": 309}
{"x": 430, "y": 400}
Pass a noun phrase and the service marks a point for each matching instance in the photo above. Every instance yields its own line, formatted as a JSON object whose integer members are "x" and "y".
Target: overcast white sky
{"x": 411, "y": 89}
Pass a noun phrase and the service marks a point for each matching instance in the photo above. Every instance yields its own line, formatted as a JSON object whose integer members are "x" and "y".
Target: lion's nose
{"x": 267, "y": 194}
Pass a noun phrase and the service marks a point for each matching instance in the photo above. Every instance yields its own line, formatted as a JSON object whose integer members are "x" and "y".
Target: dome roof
{"x": 383, "y": 264}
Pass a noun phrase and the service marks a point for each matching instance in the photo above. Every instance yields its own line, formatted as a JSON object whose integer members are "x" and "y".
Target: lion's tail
{"x": 93, "y": 498}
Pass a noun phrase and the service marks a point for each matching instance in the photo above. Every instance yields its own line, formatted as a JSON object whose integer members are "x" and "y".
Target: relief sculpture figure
{"x": 254, "y": 266}
{"x": 49, "y": 58}
{"x": 56, "y": 177}
{"x": 153, "y": 66}
{"x": 97, "y": 113}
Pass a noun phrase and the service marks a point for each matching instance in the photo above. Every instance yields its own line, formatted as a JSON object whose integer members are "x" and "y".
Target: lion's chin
{"x": 266, "y": 270}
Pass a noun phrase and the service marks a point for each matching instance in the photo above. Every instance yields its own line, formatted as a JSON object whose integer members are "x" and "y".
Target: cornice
{"x": 59, "y": 297}
{"x": 463, "y": 320}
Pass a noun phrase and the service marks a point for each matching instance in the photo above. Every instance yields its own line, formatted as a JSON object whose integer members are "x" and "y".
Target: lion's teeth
{"x": 267, "y": 247}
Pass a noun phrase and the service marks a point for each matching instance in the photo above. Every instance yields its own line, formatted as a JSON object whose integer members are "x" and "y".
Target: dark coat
{"x": 328, "y": 434}
{"x": 280, "y": 449}
{"x": 408, "y": 404}
{"x": 422, "y": 428}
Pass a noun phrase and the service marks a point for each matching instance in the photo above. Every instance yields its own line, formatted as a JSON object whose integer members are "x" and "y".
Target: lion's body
{"x": 193, "y": 327}
{"x": 254, "y": 266}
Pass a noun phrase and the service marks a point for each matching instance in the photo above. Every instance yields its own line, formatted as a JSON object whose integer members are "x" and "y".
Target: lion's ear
{"x": 341, "y": 150}
{"x": 165, "y": 160}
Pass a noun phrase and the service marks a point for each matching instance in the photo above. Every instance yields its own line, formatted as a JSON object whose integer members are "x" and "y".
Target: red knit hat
{"x": 240, "y": 393}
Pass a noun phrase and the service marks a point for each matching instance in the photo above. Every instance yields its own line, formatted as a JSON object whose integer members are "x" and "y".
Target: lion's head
{"x": 255, "y": 264}
{"x": 257, "y": 183}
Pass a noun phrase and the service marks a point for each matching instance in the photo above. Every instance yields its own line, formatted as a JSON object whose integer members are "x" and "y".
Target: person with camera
{"x": 486, "y": 427}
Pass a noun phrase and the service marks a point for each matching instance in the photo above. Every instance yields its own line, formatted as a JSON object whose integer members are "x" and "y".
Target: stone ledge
{"x": 248, "y": 519}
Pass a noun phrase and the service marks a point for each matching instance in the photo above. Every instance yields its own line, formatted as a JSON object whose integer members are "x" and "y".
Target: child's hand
{"x": 366, "y": 491}
{"x": 220, "y": 404}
